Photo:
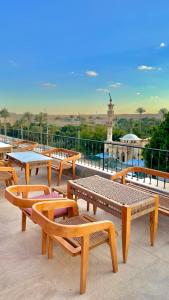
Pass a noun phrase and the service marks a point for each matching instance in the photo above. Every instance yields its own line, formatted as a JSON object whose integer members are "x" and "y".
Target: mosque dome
{"x": 130, "y": 137}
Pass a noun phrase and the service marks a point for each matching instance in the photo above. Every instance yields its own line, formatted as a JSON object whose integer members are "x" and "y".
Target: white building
{"x": 123, "y": 150}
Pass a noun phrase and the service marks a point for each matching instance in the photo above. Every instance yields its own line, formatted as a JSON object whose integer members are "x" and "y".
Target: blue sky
{"x": 64, "y": 56}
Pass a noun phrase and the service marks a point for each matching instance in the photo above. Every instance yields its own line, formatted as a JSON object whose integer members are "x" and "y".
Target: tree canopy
{"x": 159, "y": 140}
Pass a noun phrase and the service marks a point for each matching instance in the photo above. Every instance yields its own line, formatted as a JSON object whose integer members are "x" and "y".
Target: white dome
{"x": 130, "y": 137}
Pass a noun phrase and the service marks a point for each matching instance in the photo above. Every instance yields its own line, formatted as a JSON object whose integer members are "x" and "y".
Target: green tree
{"x": 28, "y": 119}
{"x": 163, "y": 111}
{"x": 21, "y": 123}
{"x": 4, "y": 115}
{"x": 41, "y": 120}
{"x": 159, "y": 140}
{"x": 140, "y": 111}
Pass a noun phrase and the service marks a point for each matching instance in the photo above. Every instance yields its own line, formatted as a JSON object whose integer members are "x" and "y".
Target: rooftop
{"x": 26, "y": 274}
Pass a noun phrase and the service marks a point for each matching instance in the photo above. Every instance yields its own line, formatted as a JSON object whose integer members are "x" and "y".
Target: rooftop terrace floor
{"x": 26, "y": 274}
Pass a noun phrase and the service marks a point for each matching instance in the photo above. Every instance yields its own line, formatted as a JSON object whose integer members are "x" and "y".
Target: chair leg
{"x": 113, "y": 251}
{"x": 59, "y": 176}
{"x": 154, "y": 222}
{"x": 10, "y": 182}
{"x": 94, "y": 209}
{"x": 23, "y": 221}
{"x": 6, "y": 183}
{"x": 88, "y": 206}
{"x": 84, "y": 263}
{"x": 50, "y": 248}
{"x": 44, "y": 243}
{"x": 73, "y": 170}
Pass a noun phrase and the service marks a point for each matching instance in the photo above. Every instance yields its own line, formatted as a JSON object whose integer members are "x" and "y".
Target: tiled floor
{"x": 26, "y": 274}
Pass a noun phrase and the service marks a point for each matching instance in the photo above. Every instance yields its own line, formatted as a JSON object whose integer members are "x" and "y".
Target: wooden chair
{"x": 8, "y": 174}
{"x": 19, "y": 195}
{"x": 24, "y": 145}
{"x": 77, "y": 234}
{"x": 163, "y": 194}
{"x": 63, "y": 159}
{"x": 4, "y": 163}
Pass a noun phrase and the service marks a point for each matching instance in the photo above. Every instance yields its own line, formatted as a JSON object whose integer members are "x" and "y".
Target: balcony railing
{"x": 103, "y": 156}
{"x": 106, "y": 156}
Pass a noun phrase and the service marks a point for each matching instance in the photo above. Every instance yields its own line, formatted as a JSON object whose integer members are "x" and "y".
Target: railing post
{"x": 103, "y": 155}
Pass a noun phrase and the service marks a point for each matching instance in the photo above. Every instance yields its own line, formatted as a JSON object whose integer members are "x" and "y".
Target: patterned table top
{"x": 112, "y": 190}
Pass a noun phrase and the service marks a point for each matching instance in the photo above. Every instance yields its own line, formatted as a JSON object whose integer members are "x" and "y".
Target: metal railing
{"x": 104, "y": 156}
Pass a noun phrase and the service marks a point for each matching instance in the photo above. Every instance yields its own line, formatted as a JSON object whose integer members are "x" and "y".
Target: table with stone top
{"x": 29, "y": 160}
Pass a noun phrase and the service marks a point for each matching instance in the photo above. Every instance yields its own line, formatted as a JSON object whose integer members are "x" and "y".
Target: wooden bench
{"x": 63, "y": 159}
{"x": 163, "y": 194}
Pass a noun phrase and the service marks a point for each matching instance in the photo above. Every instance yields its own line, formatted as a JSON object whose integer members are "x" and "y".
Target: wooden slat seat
{"x": 96, "y": 238}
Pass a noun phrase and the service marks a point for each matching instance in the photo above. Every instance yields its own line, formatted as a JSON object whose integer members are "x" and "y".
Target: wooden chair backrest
{"x": 18, "y": 195}
{"x": 148, "y": 171}
{"x": 29, "y": 145}
{"x": 71, "y": 155}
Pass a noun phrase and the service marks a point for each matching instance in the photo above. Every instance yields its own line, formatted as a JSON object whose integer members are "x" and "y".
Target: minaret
{"x": 110, "y": 115}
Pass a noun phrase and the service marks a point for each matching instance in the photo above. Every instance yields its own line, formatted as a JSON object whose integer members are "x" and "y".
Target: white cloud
{"x": 91, "y": 73}
{"x": 116, "y": 85}
{"x": 148, "y": 68}
{"x": 145, "y": 68}
{"x": 102, "y": 90}
{"x": 163, "y": 45}
{"x": 48, "y": 85}
{"x": 138, "y": 93}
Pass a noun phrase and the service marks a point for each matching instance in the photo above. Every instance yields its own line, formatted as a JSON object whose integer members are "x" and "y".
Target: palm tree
{"x": 163, "y": 111}
{"x": 41, "y": 119}
{"x": 140, "y": 111}
{"x": 4, "y": 115}
{"x": 131, "y": 125}
{"x": 28, "y": 118}
{"x": 21, "y": 123}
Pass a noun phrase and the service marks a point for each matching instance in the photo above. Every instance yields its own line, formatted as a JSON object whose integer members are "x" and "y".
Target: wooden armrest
{"x": 92, "y": 227}
{"x": 148, "y": 171}
{"x": 50, "y": 151}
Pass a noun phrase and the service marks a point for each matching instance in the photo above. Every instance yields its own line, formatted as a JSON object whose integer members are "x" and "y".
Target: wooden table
{"x": 29, "y": 160}
{"x": 4, "y": 148}
{"x": 120, "y": 200}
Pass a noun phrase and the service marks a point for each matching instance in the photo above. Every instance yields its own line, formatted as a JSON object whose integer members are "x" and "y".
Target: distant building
{"x": 110, "y": 115}
{"x": 129, "y": 153}
{"x": 123, "y": 150}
